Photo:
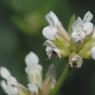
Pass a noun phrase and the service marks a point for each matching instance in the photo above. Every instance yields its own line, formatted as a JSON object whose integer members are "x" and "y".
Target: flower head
{"x": 62, "y": 44}
{"x": 36, "y": 86}
{"x": 82, "y": 28}
{"x": 33, "y": 69}
{"x": 9, "y": 84}
{"x": 53, "y": 33}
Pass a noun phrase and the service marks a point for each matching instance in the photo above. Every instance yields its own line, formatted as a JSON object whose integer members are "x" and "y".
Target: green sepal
{"x": 72, "y": 20}
{"x": 23, "y": 90}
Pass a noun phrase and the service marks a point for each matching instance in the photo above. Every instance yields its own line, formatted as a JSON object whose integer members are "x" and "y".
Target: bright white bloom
{"x": 54, "y": 28}
{"x": 78, "y": 35}
{"x": 82, "y": 28}
{"x": 9, "y": 84}
{"x": 33, "y": 69}
{"x": 31, "y": 58}
{"x": 51, "y": 30}
{"x": 93, "y": 52}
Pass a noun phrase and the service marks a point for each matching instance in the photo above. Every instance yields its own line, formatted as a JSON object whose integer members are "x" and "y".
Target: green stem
{"x": 61, "y": 80}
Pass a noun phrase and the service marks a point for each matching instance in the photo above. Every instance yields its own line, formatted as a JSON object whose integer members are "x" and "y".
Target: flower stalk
{"x": 61, "y": 80}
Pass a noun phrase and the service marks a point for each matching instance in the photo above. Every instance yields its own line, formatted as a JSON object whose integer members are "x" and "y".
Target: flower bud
{"x": 75, "y": 61}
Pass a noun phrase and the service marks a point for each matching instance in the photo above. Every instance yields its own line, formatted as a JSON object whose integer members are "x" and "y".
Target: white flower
{"x": 54, "y": 28}
{"x": 33, "y": 69}
{"x": 31, "y": 58}
{"x": 33, "y": 88}
{"x": 88, "y": 28}
{"x": 82, "y": 28}
{"x": 51, "y": 49}
{"x": 87, "y": 25}
{"x": 51, "y": 30}
{"x": 9, "y": 84}
{"x": 93, "y": 52}
{"x": 77, "y": 35}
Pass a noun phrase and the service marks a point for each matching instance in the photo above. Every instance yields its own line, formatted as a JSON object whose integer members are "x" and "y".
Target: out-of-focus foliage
{"x": 21, "y": 23}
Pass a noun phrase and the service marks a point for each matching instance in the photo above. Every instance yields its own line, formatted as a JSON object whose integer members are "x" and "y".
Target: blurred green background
{"x": 21, "y": 24}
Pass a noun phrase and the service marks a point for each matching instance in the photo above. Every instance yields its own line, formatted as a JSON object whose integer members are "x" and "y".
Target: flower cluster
{"x": 36, "y": 86}
{"x": 77, "y": 45}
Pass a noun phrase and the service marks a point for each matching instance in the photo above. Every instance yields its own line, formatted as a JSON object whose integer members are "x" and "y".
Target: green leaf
{"x": 72, "y": 19}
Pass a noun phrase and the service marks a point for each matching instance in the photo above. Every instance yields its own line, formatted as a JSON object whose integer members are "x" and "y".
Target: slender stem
{"x": 61, "y": 80}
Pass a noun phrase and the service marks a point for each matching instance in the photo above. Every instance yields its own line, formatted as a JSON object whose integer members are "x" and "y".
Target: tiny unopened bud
{"x": 75, "y": 61}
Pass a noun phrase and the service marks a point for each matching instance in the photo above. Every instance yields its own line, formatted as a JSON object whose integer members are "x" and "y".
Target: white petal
{"x": 88, "y": 28}
{"x": 49, "y": 32}
{"x": 9, "y": 89}
{"x": 33, "y": 68}
{"x": 49, "y": 43}
{"x": 12, "y": 81}
{"x": 5, "y": 87}
{"x": 34, "y": 72}
{"x": 31, "y": 58}
{"x": 77, "y": 25}
{"x": 52, "y": 19}
{"x": 33, "y": 88}
{"x": 88, "y": 17}
{"x": 49, "y": 52}
{"x": 78, "y": 36}
{"x": 93, "y": 52}
{"x": 35, "y": 78}
{"x": 4, "y": 72}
